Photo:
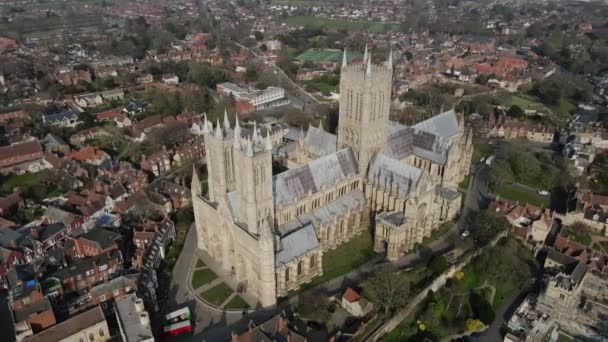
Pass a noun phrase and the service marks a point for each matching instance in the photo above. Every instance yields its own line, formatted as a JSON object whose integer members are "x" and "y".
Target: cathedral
{"x": 375, "y": 177}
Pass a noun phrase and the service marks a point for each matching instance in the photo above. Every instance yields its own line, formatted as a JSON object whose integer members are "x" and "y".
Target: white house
{"x": 354, "y": 304}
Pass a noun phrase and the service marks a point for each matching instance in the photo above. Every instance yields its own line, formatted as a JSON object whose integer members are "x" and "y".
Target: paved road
{"x": 209, "y": 323}
{"x": 306, "y": 99}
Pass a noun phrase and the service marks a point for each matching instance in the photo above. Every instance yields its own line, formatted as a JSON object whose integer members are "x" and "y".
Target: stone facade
{"x": 271, "y": 231}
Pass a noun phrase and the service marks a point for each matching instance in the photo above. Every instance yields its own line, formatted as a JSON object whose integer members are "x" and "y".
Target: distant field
{"x": 325, "y": 55}
{"x": 337, "y": 24}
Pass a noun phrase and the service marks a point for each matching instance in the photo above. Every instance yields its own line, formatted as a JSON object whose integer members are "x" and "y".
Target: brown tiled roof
{"x": 10, "y": 201}
{"x": 25, "y": 148}
{"x": 70, "y": 327}
{"x": 351, "y": 296}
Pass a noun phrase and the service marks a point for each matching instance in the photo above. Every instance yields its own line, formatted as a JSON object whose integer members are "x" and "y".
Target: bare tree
{"x": 388, "y": 290}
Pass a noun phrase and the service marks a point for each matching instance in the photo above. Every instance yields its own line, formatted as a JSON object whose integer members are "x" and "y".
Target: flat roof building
{"x": 133, "y": 319}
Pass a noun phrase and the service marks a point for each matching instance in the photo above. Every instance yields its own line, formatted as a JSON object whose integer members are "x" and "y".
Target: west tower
{"x": 365, "y": 98}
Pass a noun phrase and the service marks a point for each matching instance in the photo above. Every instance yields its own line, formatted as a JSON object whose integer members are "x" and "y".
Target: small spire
{"x": 389, "y": 62}
{"x": 344, "y": 60}
{"x": 249, "y": 151}
{"x": 268, "y": 142}
{"x": 226, "y": 121}
{"x": 237, "y": 133}
{"x": 365, "y": 55}
{"x": 321, "y": 125}
{"x": 218, "y": 130}
{"x": 368, "y": 69}
{"x": 205, "y": 124}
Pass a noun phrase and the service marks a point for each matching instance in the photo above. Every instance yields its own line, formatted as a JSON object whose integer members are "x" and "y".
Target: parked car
{"x": 543, "y": 192}
{"x": 465, "y": 234}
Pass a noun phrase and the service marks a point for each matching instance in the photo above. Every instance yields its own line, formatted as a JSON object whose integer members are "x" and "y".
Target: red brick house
{"x": 96, "y": 242}
{"x": 89, "y": 271}
{"x": 20, "y": 153}
{"x": 28, "y": 303}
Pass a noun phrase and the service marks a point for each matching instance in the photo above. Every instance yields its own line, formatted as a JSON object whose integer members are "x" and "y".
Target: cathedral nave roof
{"x": 394, "y": 175}
{"x": 297, "y": 244}
{"x": 320, "y": 142}
{"x": 444, "y": 124}
{"x": 294, "y": 184}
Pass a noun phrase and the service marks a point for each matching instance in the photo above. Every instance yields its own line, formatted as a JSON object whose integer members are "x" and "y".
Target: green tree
{"x": 251, "y": 75}
{"x": 515, "y": 111}
{"x": 259, "y": 36}
{"x": 486, "y": 226}
{"x": 482, "y": 309}
{"x": 387, "y": 290}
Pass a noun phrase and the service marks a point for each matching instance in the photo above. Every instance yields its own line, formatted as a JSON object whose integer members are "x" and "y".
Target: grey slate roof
{"x": 320, "y": 142}
{"x": 431, "y": 147}
{"x": 428, "y": 141}
{"x": 389, "y": 172}
{"x": 7, "y": 236}
{"x": 447, "y": 193}
{"x": 104, "y": 238}
{"x": 393, "y": 217}
{"x": 114, "y": 284}
{"x": 444, "y": 124}
{"x": 67, "y": 114}
{"x": 292, "y": 185}
{"x": 297, "y": 244}
{"x": 400, "y": 143}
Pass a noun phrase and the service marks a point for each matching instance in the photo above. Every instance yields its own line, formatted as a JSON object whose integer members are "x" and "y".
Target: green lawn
{"x": 464, "y": 185}
{"x": 202, "y": 277}
{"x": 601, "y": 246}
{"x": 526, "y": 102}
{"x": 320, "y": 86}
{"x": 442, "y": 230}
{"x": 8, "y": 183}
{"x": 217, "y": 294}
{"x": 326, "y": 55}
{"x": 200, "y": 263}
{"x": 337, "y": 24}
{"x": 509, "y": 192}
{"x": 344, "y": 259}
{"x": 481, "y": 149}
{"x": 580, "y": 237}
{"x": 236, "y": 303}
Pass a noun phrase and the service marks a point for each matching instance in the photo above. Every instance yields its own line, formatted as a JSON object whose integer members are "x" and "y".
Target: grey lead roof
{"x": 400, "y": 143}
{"x": 292, "y": 185}
{"x": 447, "y": 193}
{"x": 297, "y": 244}
{"x": 431, "y": 147}
{"x": 134, "y": 330}
{"x": 393, "y": 174}
{"x": 320, "y": 142}
{"x": 393, "y": 217}
{"x": 444, "y": 124}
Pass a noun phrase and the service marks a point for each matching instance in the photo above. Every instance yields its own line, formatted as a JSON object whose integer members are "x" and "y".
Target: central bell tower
{"x": 365, "y": 99}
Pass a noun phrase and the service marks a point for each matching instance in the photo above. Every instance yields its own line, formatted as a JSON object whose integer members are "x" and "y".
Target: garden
{"x": 523, "y": 169}
{"x": 469, "y": 300}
